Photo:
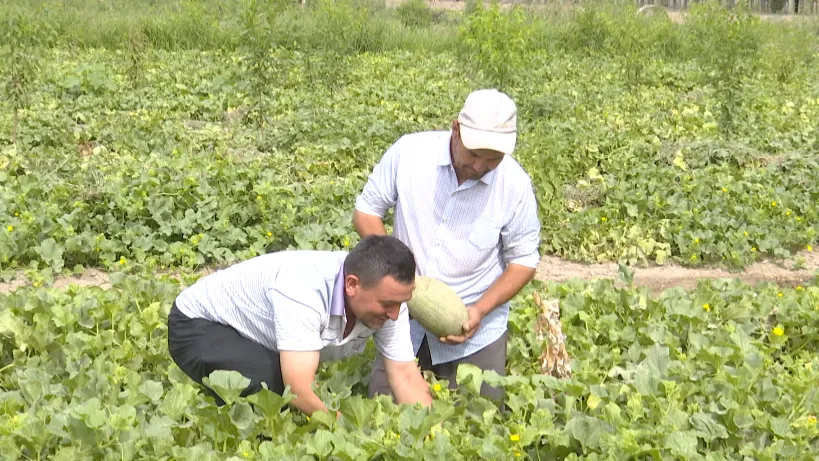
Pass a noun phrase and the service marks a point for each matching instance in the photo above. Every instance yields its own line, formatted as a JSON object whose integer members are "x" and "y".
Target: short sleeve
{"x": 380, "y": 191}
{"x": 521, "y": 236}
{"x": 297, "y": 321}
{"x": 393, "y": 339}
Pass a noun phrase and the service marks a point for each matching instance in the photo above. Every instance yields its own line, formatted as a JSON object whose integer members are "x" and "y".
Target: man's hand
{"x": 298, "y": 372}
{"x": 406, "y": 382}
{"x": 473, "y": 322}
{"x": 509, "y": 284}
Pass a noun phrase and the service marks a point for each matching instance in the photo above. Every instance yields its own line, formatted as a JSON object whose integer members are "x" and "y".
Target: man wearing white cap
{"x": 467, "y": 210}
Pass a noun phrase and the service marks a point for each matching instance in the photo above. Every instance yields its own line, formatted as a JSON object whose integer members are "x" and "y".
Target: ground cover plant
{"x": 724, "y": 372}
{"x": 184, "y": 135}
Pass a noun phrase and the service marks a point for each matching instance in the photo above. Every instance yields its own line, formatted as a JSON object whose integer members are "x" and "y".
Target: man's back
{"x": 239, "y": 296}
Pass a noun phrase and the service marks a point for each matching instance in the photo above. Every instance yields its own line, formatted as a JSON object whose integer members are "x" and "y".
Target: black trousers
{"x": 200, "y": 347}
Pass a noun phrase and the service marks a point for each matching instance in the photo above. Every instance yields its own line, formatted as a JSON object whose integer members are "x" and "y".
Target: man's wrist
{"x": 483, "y": 308}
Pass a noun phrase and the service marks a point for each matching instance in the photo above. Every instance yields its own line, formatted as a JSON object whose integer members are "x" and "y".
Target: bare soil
{"x": 659, "y": 278}
{"x": 551, "y": 268}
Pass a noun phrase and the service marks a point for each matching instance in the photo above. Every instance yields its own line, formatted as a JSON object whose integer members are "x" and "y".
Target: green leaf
{"x": 707, "y": 427}
{"x": 657, "y": 359}
{"x": 152, "y": 389}
{"x": 358, "y": 411}
{"x": 242, "y": 416}
{"x": 228, "y": 384}
{"x": 470, "y": 377}
{"x": 682, "y": 444}
{"x": 320, "y": 444}
{"x": 269, "y": 403}
{"x": 586, "y": 430}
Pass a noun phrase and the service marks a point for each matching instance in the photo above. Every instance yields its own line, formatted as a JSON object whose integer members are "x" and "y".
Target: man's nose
{"x": 392, "y": 314}
{"x": 480, "y": 165}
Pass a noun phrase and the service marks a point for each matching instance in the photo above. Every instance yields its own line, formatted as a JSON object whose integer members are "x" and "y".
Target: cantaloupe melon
{"x": 437, "y": 307}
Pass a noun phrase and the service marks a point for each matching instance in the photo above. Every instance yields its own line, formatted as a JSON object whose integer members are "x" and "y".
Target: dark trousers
{"x": 491, "y": 357}
{"x": 200, "y": 347}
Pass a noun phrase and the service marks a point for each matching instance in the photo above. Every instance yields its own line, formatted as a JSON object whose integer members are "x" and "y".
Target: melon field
{"x": 158, "y": 142}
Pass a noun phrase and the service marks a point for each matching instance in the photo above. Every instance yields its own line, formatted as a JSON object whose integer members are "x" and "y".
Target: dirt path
{"x": 659, "y": 278}
{"x": 552, "y": 268}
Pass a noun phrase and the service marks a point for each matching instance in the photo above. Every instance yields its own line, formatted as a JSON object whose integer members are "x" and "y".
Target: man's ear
{"x": 352, "y": 285}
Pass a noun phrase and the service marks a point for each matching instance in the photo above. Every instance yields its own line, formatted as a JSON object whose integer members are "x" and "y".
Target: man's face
{"x": 471, "y": 164}
{"x": 374, "y": 305}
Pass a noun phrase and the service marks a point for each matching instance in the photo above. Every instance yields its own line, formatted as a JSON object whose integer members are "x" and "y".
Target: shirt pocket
{"x": 485, "y": 233}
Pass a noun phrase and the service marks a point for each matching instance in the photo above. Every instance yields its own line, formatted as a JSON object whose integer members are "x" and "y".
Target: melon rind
{"x": 437, "y": 307}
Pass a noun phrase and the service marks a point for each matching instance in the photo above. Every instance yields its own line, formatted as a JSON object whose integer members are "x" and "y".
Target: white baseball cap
{"x": 488, "y": 120}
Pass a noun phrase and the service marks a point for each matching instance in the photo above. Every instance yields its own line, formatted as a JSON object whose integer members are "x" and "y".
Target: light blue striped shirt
{"x": 462, "y": 235}
{"x": 292, "y": 301}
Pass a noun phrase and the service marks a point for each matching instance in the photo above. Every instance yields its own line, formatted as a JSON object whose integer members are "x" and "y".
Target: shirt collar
{"x": 337, "y": 301}
{"x": 445, "y": 159}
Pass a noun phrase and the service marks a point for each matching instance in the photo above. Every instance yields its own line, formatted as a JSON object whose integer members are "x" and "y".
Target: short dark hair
{"x": 378, "y": 256}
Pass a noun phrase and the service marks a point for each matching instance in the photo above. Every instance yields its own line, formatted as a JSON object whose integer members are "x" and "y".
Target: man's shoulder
{"x": 422, "y": 140}
{"x": 514, "y": 176}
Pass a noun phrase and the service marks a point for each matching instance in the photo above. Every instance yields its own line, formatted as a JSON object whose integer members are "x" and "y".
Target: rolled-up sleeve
{"x": 521, "y": 236}
{"x": 380, "y": 193}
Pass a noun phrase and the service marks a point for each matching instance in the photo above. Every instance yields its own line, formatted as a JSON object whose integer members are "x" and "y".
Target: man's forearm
{"x": 506, "y": 287}
{"x": 308, "y": 402}
{"x": 366, "y": 224}
{"x": 408, "y": 386}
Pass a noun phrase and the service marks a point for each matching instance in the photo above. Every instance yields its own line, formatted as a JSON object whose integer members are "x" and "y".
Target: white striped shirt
{"x": 462, "y": 235}
{"x": 292, "y": 301}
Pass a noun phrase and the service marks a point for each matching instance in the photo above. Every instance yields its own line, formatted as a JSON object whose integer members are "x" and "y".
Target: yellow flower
{"x": 753, "y": 249}
{"x": 246, "y": 454}
{"x": 517, "y": 454}
{"x": 788, "y": 213}
{"x": 812, "y": 420}
{"x": 724, "y": 189}
{"x": 746, "y": 233}
{"x": 706, "y": 307}
{"x": 778, "y": 331}
{"x": 773, "y": 203}
{"x": 258, "y": 197}
{"x": 810, "y": 248}
{"x": 696, "y": 240}
{"x": 269, "y": 234}
{"x": 779, "y": 295}
{"x": 514, "y": 438}
{"x": 16, "y": 214}
{"x": 346, "y": 241}
{"x": 604, "y": 219}
{"x": 122, "y": 261}
{"x": 9, "y": 228}
{"x": 436, "y": 387}
{"x": 799, "y": 288}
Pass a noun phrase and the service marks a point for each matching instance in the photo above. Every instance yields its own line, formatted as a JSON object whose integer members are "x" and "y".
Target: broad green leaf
{"x": 707, "y": 427}
{"x": 242, "y": 416}
{"x": 470, "y": 377}
{"x": 320, "y": 444}
{"x": 228, "y": 384}
{"x": 682, "y": 444}
{"x": 152, "y": 389}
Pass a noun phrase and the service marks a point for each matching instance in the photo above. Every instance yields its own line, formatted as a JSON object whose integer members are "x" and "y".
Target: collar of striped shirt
{"x": 337, "y": 301}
